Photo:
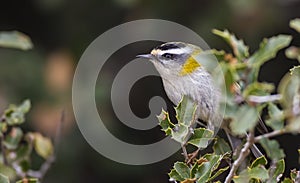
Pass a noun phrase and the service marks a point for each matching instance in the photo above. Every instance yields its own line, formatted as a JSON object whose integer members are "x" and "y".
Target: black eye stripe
{"x": 168, "y": 55}
{"x": 167, "y": 47}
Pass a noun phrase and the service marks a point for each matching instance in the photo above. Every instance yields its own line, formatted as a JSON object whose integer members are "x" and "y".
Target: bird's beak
{"x": 148, "y": 56}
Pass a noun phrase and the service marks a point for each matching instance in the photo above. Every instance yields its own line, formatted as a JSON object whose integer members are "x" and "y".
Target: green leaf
{"x": 276, "y": 117}
{"x": 272, "y": 149}
{"x": 3, "y": 128}
{"x": 182, "y": 169}
{"x": 294, "y": 174}
{"x": 174, "y": 175}
{"x": 24, "y": 151}
{"x": 28, "y": 180}
{"x": 289, "y": 87}
{"x": 201, "y": 137}
{"x": 287, "y": 180}
{"x": 15, "y": 115}
{"x": 268, "y": 49}
{"x": 219, "y": 172}
{"x": 295, "y": 70}
{"x": 295, "y": 24}
{"x": 43, "y": 145}
{"x": 205, "y": 169}
{"x": 294, "y": 125}
{"x": 276, "y": 171}
{"x": 240, "y": 50}
{"x": 7, "y": 171}
{"x": 180, "y": 133}
{"x": 185, "y": 111}
{"x": 15, "y": 39}
{"x": 246, "y": 175}
{"x": 221, "y": 146}
{"x": 245, "y": 118}
{"x": 165, "y": 123}
{"x": 3, "y": 178}
{"x": 259, "y": 161}
{"x": 13, "y": 139}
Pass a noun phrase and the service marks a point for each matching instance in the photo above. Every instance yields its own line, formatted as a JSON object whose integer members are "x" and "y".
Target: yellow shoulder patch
{"x": 189, "y": 66}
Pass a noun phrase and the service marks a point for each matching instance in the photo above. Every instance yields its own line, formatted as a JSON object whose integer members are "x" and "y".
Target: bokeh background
{"x": 62, "y": 29}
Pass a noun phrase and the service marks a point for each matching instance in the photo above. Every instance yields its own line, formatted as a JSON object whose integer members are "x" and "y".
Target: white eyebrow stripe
{"x": 174, "y": 51}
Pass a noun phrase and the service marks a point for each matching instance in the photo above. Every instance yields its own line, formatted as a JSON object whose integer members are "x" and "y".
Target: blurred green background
{"x": 61, "y": 30}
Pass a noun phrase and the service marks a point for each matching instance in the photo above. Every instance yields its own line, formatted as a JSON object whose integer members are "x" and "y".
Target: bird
{"x": 183, "y": 75}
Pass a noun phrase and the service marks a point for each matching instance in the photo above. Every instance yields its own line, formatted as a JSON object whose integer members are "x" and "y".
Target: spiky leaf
{"x": 201, "y": 137}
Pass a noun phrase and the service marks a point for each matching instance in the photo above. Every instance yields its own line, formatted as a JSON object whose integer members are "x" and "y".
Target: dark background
{"x": 62, "y": 29}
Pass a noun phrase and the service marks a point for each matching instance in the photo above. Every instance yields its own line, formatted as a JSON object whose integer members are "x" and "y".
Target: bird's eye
{"x": 168, "y": 55}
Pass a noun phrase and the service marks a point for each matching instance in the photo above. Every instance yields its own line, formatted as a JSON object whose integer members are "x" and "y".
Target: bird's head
{"x": 174, "y": 58}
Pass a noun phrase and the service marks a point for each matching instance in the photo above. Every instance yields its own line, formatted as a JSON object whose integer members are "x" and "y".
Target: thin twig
{"x": 51, "y": 159}
{"x": 263, "y": 99}
{"x": 185, "y": 154}
{"x": 271, "y": 134}
{"x": 243, "y": 154}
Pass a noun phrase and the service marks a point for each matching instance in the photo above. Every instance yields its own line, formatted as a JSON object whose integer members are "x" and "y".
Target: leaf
{"x": 180, "y": 133}
{"x": 259, "y": 161}
{"x": 23, "y": 151}
{"x": 43, "y": 145}
{"x": 7, "y": 171}
{"x": 276, "y": 117}
{"x": 165, "y": 123}
{"x": 276, "y": 171}
{"x": 174, "y": 175}
{"x": 294, "y": 174}
{"x": 245, "y": 118}
{"x": 268, "y": 49}
{"x": 14, "y": 115}
{"x": 221, "y": 146}
{"x": 28, "y": 180}
{"x": 15, "y": 39}
{"x": 205, "y": 169}
{"x": 201, "y": 137}
{"x": 246, "y": 175}
{"x": 287, "y": 180}
{"x": 295, "y": 24}
{"x": 3, "y": 178}
{"x": 13, "y": 139}
{"x": 295, "y": 70}
{"x": 219, "y": 172}
{"x": 272, "y": 149}
{"x": 185, "y": 111}
{"x": 182, "y": 169}
{"x": 294, "y": 125}
{"x": 240, "y": 50}
{"x": 289, "y": 87}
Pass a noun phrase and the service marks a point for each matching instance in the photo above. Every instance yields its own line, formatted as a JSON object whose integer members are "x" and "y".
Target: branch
{"x": 243, "y": 154}
{"x": 263, "y": 99}
{"x": 51, "y": 159}
{"x": 271, "y": 134}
